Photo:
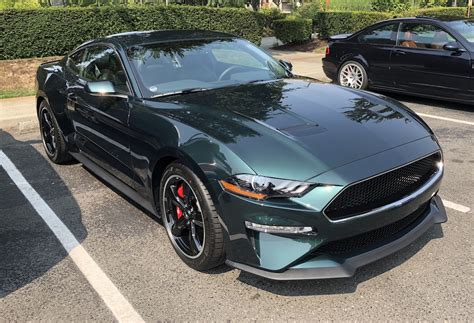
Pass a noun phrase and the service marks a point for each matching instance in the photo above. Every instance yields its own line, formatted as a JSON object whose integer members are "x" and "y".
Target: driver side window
{"x": 424, "y": 36}
{"x": 101, "y": 63}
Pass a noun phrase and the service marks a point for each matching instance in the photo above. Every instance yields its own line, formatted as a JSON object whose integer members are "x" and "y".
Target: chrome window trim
{"x": 434, "y": 178}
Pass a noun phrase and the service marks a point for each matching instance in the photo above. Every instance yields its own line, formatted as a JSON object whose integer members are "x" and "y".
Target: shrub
{"x": 272, "y": 14}
{"x": 56, "y": 31}
{"x": 439, "y": 12}
{"x": 293, "y": 30}
{"x": 330, "y": 23}
{"x": 390, "y": 5}
{"x": 309, "y": 10}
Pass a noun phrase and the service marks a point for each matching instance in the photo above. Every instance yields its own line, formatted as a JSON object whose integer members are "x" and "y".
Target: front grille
{"x": 382, "y": 189}
{"x": 375, "y": 238}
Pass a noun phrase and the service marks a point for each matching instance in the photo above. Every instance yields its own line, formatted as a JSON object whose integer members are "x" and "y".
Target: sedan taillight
{"x": 328, "y": 51}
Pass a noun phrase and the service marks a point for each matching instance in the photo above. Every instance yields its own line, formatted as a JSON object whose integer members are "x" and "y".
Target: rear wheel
{"x": 53, "y": 140}
{"x": 190, "y": 218}
{"x": 352, "y": 74}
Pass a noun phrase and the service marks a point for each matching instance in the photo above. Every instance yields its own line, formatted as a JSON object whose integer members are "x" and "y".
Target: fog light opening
{"x": 279, "y": 229}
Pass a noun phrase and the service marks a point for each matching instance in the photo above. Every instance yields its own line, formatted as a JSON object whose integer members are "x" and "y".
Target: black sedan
{"x": 419, "y": 56}
{"x": 243, "y": 161}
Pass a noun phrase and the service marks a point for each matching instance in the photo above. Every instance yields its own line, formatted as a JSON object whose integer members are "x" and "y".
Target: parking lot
{"x": 125, "y": 267}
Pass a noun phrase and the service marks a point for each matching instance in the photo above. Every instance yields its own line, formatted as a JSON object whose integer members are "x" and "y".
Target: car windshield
{"x": 189, "y": 66}
{"x": 465, "y": 28}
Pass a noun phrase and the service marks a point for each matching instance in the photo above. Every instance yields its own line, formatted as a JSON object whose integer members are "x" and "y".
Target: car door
{"x": 375, "y": 46}
{"x": 101, "y": 122}
{"x": 420, "y": 63}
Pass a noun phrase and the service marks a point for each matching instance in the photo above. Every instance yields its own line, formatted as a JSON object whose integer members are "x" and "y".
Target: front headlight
{"x": 260, "y": 188}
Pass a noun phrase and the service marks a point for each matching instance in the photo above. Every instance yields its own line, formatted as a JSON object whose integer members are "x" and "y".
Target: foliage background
{"x": 56, "y": 31}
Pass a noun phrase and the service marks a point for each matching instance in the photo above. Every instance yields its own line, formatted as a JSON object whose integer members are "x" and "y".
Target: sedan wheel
{"x": 353, "y": 75}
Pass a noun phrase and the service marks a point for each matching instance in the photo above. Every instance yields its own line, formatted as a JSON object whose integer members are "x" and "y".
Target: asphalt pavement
{"x": 121, "y": 262}
{"x": 432, "y": 279}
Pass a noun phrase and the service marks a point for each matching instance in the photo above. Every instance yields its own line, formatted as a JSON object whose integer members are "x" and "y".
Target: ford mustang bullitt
{"x": 243, "y": 161}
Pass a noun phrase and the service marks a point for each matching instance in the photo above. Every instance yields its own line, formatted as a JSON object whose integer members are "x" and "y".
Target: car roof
{"x": 428, "y": 18}
{"x": 132, "y": 38}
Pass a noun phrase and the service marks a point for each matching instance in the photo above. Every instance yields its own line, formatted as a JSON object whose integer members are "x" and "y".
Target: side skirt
{"x": 116, "y": 183}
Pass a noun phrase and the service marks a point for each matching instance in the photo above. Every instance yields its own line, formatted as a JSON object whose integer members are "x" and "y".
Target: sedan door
{"x": 101, "y": 122}
{"x": 374, "y": 47}
{"x": 421, "y": 64}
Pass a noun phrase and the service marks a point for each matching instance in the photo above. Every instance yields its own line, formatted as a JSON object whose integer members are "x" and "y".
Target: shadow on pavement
{"x": 342, "y": 285}
{"x": 28, "y": 248}
{"x": 430, "y": 102}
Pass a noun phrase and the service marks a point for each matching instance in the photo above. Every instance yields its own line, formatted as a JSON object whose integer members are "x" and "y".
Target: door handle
{"x": 400, "y": 52}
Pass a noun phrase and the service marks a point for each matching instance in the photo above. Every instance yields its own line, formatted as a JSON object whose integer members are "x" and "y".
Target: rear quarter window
{"x": 383, "y": 35}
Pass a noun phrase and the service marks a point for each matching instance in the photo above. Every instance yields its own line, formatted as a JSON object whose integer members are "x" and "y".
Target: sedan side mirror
{"x": 103, "y": 88}
{"x": 453, "y": 47}
{"x": 286, "y": 65}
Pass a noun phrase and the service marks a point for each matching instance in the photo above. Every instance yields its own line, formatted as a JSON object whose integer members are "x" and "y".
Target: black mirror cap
{"x": 286, "y": 65}
{"x": 453, "y": 47}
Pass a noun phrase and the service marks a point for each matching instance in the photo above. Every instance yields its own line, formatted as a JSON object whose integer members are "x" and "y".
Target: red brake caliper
{"x": 179, "y": 212}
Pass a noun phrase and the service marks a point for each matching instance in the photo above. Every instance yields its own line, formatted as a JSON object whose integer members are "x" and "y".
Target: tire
{"x": 212, "y": 251}
{"x": 353, "y": 74}
{"x": 51, "y": 136}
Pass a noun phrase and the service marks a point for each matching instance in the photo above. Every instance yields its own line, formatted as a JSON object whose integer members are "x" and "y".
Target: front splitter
{"x": 323, "y": 267}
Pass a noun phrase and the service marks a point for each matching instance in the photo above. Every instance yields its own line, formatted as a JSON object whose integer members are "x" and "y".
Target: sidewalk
{"x": 18, "y": 112}
{"x": 304, "y": 63}
{"x": 21, "y": 113}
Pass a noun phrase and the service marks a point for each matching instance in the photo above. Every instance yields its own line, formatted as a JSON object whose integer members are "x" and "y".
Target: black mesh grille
{"x": 372, "y": 239}
{"x": 383, "y": 189}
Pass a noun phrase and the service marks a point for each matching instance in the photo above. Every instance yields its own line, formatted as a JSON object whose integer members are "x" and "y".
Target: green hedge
{"x": 55, "y": 31}
{"x": 330, "y": 23}
{"x": 439, "y": 12}
{"x": 293, "y": 30}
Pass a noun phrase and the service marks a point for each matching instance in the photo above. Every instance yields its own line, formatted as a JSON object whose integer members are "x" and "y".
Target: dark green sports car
{"x": 244, "y": 162}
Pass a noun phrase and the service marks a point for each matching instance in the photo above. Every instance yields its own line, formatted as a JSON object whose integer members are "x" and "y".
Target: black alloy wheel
{"x": 183, "y": 217}
{"x": 51, "y": 136}
{"x": 190, "y": 218}
{"x": 47, "y": 131}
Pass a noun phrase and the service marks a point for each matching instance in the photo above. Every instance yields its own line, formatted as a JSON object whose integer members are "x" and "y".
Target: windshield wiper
{"x": 185, "y": 91}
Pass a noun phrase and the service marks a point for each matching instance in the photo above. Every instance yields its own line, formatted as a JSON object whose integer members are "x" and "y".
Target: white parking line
{"x": 115, "y": 301}
{"x": 457, "y": 207}
{"x": 470, "y": 123}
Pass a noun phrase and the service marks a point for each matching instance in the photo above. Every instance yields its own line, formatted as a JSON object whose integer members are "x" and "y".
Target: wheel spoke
{"x": 193, "y": 243}
{"x": 176, "y": 200}
{"x": 198, "y": 223}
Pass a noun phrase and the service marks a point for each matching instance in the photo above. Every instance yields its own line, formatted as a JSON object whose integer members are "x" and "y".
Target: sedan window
{"x": 385, "y": 35}
{"x": 101, "y": 63}
{"x": 425, "y": 36}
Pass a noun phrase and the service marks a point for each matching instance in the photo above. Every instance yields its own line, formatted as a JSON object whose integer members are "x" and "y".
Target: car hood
{"x": 296, "y": 128}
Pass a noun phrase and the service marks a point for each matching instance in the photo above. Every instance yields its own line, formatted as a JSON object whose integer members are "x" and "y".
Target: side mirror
{"x": 103, "y": 88}
{"x": 453, "y": 47}
{"x": 286, "y": 65}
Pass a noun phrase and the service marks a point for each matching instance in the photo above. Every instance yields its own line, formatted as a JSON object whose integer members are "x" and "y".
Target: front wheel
{"x": 190, "y": 218}
{"x": 352, "y": 74}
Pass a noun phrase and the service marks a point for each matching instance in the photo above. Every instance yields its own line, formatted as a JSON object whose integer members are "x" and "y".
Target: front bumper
{"x": 321, "y": 267}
